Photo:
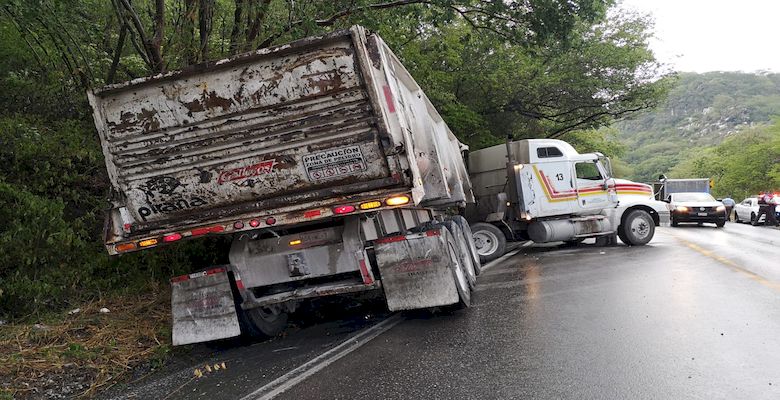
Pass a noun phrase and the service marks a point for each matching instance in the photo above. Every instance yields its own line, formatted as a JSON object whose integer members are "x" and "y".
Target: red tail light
{"x": 255, "y": 223}
{"x": 210, "y": 229}
{"x": 343, "y": 209}
{"x": 172, "y": 237}
{"x": 312, "y": 213}
{"x": 238, "y": 225}
{"x": 270, "y": 221}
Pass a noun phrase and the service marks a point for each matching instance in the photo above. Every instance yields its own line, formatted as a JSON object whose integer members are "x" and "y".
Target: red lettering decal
{"x": 261, "y": 168}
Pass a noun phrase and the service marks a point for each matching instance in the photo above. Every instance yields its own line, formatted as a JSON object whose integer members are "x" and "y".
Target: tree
{"x": 488, "y": 88}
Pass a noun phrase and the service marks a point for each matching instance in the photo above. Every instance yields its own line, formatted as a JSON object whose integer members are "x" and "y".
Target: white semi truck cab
{"x": 545, "y": 191}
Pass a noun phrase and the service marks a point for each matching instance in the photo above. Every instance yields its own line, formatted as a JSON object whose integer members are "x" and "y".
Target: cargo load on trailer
{"x": 665, "y": 186}
{"x": 322, "y": 158}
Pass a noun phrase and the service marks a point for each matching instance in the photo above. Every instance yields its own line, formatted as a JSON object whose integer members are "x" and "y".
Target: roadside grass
{"x": 78, "y": 355}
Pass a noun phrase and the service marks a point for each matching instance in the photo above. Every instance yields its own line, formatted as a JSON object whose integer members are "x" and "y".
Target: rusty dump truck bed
{"x": 308, "y": 124}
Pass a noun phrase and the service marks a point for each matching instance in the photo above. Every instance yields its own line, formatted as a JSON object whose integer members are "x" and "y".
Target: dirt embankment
{"x": 85, "y": 350}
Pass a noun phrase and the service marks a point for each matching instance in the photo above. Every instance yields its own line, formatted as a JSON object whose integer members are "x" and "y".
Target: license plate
{"x": 702, "y": 214}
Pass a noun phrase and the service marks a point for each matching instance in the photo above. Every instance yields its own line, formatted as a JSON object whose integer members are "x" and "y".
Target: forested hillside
{"x": 701, "y": 111}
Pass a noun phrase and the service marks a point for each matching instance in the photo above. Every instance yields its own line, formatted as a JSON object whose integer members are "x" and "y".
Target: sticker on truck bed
{"x": 334, "y": 163}
{"x": 261, "y": 168}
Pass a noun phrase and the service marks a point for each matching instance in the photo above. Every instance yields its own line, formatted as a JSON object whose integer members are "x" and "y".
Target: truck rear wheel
{"x": 469, "y": 237}
{"x": 637, "y": 228}
{"x": 489, "y": 241}
{"x": 458, "y": 272}
{"x": 265, "y": 322}
{"x": 463, "y": 251}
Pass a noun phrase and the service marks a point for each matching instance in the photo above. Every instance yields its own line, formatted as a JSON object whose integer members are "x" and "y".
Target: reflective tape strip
{"x": 367, "y": 279}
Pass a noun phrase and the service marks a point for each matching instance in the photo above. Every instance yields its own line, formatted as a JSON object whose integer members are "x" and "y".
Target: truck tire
{"x": 464, "y": 255}
{"x": 489, "y": 241}
{"x": 458, "y": 272}
{"x": 266, "y": 323}
{"x": 466, "y": 228}
{"x": 637, "y": 228}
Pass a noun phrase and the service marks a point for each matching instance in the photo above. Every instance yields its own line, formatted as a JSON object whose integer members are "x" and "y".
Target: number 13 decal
{"x": 559, "y": 177}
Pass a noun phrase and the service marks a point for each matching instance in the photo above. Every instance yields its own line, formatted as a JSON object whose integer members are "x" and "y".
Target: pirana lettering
{"x": 170, "y": 206}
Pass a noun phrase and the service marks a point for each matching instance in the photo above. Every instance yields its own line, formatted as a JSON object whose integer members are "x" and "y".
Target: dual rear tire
{"x": 455, "y": 242}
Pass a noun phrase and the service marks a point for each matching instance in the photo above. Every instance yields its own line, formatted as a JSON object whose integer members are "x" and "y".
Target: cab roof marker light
{"x": 255, "y": 223}
{"x": 295, "y": 242}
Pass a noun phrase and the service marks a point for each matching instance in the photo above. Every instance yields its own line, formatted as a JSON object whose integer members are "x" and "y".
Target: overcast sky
{"x": 715, "y": 35}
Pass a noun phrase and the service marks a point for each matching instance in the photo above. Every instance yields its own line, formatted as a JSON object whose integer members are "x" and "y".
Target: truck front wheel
{"x": 266, "y": 322}
{"x": 637, "y": 228}
{"x": 489, "y": 241}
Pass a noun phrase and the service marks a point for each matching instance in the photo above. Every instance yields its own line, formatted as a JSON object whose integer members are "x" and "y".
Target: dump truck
{"x": 545, "y": 191}
{"x": 322, "y": 158}
{"x": 666, "y": 186}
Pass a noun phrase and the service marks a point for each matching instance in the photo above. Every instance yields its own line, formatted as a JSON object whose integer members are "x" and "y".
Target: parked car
{"x": 696, "y": 207}
{"x": 747, "y": 210}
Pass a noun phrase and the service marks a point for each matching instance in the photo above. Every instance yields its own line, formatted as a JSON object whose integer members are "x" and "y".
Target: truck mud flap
{"x": 416, "y": 270}
{"x": 203, "y": 307}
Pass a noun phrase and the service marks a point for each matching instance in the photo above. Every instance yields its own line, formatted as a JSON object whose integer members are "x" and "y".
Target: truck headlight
{"x": 681, "y": 209}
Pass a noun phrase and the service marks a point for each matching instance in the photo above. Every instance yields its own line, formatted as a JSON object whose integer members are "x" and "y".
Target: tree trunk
{"x": 188, "y": 27}
{"x": 254, "y": 24}
{"x": 205, "y": 15}
{"x": 120, "y": 44}
{"x": 159, "y": 32}
{"x": 234, "y": 33}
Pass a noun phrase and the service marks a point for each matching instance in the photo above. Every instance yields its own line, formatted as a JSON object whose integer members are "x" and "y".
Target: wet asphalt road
{"x": 695, "y": 314}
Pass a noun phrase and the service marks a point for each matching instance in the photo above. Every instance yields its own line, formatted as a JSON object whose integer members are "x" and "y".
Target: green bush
{"x": 52, "y": 184}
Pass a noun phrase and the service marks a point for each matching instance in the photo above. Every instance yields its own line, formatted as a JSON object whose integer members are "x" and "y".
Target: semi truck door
{"x": 591, "y": 183}
{"x": 557, "y": 183}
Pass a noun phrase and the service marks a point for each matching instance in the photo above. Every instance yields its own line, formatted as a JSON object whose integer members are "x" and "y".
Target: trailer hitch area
{"x": 296, "y": 264}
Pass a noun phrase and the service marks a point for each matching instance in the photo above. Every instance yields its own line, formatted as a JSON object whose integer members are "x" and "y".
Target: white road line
{"x": 311, "y": 367}
{"x": 504, "y": 257}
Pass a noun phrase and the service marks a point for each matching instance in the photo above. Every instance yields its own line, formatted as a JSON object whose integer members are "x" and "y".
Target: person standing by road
{"x": 766, "y": 207}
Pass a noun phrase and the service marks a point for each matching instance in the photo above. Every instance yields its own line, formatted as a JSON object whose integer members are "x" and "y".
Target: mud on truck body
{"x": 545, "y": 191}
{"x": 322, "y": 158}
